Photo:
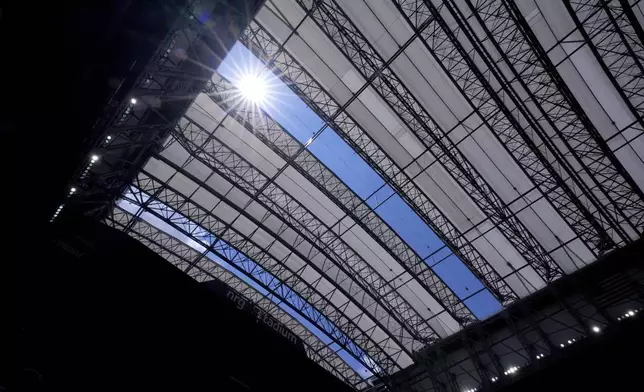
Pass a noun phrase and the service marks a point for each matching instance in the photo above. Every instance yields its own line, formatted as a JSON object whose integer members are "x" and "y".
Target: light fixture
{"x": 511, "y": 370}
{"x": 596, "y": 329}
{"x": 60, "y": 207}
{"x": 94, "y": 158}
{"x": 109, "y": 137}
{"x": 253, "y": 88}
{"x": 133, "y": 101}
{"x": 631, "y": 313}
{"x": 569, "y": 341}
{"x": 562, "y": 345}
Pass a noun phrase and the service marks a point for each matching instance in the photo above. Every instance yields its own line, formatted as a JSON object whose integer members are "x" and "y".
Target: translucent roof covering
{"x": 381, "y": 174}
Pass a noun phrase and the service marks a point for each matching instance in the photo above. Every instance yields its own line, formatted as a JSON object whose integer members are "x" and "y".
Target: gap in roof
{"x": 298, "y": 119}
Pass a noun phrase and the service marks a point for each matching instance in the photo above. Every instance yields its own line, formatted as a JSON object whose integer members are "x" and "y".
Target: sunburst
{"x": 253, "y": 87}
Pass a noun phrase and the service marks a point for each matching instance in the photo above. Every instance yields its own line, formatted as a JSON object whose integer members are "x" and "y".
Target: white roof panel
{"x": 310, "y": 196}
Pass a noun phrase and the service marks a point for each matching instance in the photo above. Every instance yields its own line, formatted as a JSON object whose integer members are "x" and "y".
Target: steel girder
{"x": 270, "y": 132}
{"x": 611, "y": 32}
{"x": 523, "y": 142}
{"x": 290, "y": 149}
{"x": 296, "y": 77}
{"x": 250, "y": 258}
{"x": 339, "y": 28}
{"x": 169, "y": 79}
{"x": 182, "y": 256}
{"x": 313, "y": 240}
{"x": 278, "y": 139}
{"x": 530, "y": 330}
{"x": 607, "y": 179}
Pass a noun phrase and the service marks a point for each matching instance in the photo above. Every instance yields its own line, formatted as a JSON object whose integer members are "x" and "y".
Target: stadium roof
{"x": 415, "y": 166}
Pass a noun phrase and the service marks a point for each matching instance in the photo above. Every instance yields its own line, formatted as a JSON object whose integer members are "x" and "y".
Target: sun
{"x": 253, "y": 88}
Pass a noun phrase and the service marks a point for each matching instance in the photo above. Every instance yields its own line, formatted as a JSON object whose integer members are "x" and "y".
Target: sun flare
{"x": 253, "y": 88}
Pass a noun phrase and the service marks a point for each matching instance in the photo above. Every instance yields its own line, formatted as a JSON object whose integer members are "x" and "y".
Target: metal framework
{"x": 182, "y": 256}
{"x": 304, "y": 85}
{"x": 615, "y": 38}
{"x": 309, "y": 166}
{"x": 475, "y": 77}
{"x": 346, "y": 36}
{"x": 383, "y": 233}
{"x": 282, "y": 279}
{"x": 279, "y": 140}
{"x": 478, "y": 114}
{"x": 506, "y": 27}
{"x": 312, "y": 239}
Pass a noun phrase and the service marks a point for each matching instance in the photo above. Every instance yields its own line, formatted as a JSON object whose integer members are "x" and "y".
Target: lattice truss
{"x": 512, "y": 130}
{"x": 201, "y": 269}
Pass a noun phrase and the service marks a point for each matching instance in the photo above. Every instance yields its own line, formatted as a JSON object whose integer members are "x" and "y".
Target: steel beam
{"x": 181, "y": 256}
{"x": 242, "y": 253}
{"x": 303, "y": 84}
{"x": 408, "y": 327}
{"x": 348, "y": 39}
{"x": 616, "y": 44}
{"x": 280, "y": 141}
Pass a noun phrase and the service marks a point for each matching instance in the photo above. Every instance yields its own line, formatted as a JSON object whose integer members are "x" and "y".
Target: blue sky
{"x": 299, "y": 120}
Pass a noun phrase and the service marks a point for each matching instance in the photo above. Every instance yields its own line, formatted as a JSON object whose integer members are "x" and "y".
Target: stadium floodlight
{"x": 133, "y": 101}
{"x": 596, "y": 329}
{"x": 511, "y": 370}
{"x": 95, "y": 158}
